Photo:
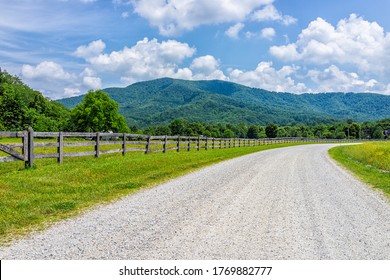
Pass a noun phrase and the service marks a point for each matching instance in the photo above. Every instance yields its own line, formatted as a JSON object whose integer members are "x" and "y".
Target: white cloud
{"x": 354, "y": 41}
{"x": 92, "y": 49}
{"x": 206, "y": 68}
{"x": 205, "y": 64}
{"x": 268, "y": 33}
{"x": 269, "y": 78}
{"x": 148, "y": 59}
{"x": 92, "y": 82}
{"x": 51, "y": 79}
{"x": 270, "y": 13}
{"x": 172, "y": 17}
{"x": 332, "y": 79}
{"x": 46, "y": 70}
{"x": 183, "y": 73}
{"x": 234, "y": 30}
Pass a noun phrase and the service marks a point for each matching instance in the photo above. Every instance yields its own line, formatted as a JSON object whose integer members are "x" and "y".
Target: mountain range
{"x": 158, "y": 102}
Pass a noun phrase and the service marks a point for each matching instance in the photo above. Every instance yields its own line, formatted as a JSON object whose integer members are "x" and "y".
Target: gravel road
{"x": 288, "y": 203}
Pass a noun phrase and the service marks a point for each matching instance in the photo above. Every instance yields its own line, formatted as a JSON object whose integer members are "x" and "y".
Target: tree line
{"x": 347, "y": 130}
{"x": 21, "y": 106}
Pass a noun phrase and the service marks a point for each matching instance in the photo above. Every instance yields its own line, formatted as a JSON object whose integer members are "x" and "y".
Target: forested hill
{"x": 163, "y": 100}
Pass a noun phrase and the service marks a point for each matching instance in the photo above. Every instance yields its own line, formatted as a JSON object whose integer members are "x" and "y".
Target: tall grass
{"x": 369, "y": 161}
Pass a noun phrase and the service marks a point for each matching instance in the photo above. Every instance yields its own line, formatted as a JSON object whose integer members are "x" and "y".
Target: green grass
{"x": 30, "y": 199}
{"x": 369, "y": 161}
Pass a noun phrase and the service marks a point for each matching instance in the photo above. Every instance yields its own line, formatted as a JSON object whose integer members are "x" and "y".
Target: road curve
{"x": 287, "y": 203}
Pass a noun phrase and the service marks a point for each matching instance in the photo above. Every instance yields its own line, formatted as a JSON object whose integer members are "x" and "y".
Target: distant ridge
{"x": 160, "y": 101}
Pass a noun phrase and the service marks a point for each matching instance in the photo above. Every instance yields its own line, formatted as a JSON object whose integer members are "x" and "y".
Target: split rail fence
{"x": 59, "y": 145}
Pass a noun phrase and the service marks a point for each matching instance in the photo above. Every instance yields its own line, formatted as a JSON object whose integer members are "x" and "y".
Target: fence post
{"x": 213, "y": 143}
{"x": 198, "y": 142}
{"x": 165, "y": 144}
{"x": 147, "y": 148}
{"x": 207, "y": 143}
{"x": 60, "y": 149}
{"x": 97, "y": 145}
{"x": 30, "y": 147}
{"x": 25, "y": 146}
{"x": 178, "y": 143}
{"x": 124, "y": 144}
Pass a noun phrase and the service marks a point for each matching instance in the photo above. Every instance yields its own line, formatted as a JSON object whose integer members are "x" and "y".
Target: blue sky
{"x": 64, "y": 48}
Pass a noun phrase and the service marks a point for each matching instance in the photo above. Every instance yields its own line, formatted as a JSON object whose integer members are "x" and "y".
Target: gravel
{"x": 288, "y": 203}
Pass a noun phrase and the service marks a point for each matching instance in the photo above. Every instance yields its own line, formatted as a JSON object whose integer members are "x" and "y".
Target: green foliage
{"x": 97, "y": 112}
{"x": 253, "y": 132}
{"x": 228, "y": 134}
{"x": 271, "y": 130}
{"x": 12, "y": 107}
{"x": 334, "y": 131}
{"x": 179, "y": 127}
{"x": 21, "y": 106}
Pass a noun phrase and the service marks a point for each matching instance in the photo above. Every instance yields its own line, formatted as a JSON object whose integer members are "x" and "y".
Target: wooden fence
{"x": 33, "y": 143}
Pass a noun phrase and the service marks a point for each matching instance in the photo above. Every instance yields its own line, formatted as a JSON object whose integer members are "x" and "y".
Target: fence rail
{"x": 62, "y": 143}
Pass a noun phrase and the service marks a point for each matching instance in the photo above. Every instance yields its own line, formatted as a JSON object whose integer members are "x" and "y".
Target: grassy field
{"x": 30, "y": 199}
{"x": 369, "y": 161}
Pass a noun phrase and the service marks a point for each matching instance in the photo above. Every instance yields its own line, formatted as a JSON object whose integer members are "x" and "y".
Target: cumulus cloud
{"x": 234, "y": 30}
{"x": 332, "y": 79}
{"x": 46, "y": 70}
{"x": 354, "y": 41}
{"x": 183, "y": 73}
{"x": 270, "y": 13}
{"x": 92, "y": 49}
{"x": 267, "y": 77}
{"x": 51, "y": 79}
{"x": 172, "y": 17}
{"x": 206, "y": 68}
{"x": 148, "y": 59}
{"x": 205, "y": 64}
{"x": 92, "y": 82}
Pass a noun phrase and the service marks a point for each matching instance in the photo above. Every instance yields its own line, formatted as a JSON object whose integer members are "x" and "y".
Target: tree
{"x": 253, "y": 132}
{"x": 12, "y": 107}
{"x": 97, "y": 112}
{"x": 228, "y": 134}
{"x": 271, "y": 130}
{"x": 178, "y": 127}
{"x": 21, "y": 106}
{"x": 282, "y": 132}
{"x": 378, "y": 133}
